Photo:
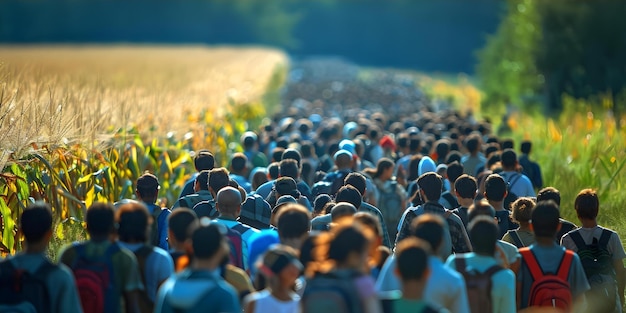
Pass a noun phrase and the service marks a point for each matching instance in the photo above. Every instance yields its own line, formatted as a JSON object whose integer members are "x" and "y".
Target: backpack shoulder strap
{"x": 142, "y": 256}
{"x": 578, "y": 240}
{"x": 566, "y": 262}
{"x": 517, "y": 239}
{"x": 492, "y": 270}
{"x": 531, "y": 262}
{"x": 460, "y": 264}
{"x": 604, "y": 238}
{"x": 240, "y": 228}
{"x": 514, "y": 178}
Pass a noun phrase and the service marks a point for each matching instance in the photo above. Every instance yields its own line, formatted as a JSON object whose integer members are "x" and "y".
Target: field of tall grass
{"x": 79, "y": 125}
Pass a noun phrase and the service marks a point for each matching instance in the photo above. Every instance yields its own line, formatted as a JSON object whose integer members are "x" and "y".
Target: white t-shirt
{"x": 265, "y": 302}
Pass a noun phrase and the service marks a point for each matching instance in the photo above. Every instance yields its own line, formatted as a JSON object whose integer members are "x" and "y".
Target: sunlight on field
{"x": 61, "y": 94}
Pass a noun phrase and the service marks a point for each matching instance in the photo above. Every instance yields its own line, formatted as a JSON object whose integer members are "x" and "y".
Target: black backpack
{"x": 511, "y": 196}
{"x": 478, "y": 285}
{"x": 451, "y": 200}
{"x": 18, "y": 287}
{"x": 517, "y": 239}
{"x": 598, "y": 265}
{"x": 332, "y": 292}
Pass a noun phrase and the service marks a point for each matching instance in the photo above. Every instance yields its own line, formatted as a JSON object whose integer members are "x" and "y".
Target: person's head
{"x": 526, "y": 146}
{"x": 320, "y": 202}
{"x": 208, "y": 242}
{"x": 430, "y": 228}
{"x": 369, "y": 221}
{"x": 350, "y": 195}
{"x": 228, "y": 202}
{"x": 292, "y": 154}
{"x": 412, "y": 260}
{"x": 281, "y": 203}
{"x": 294, "y": 222}
{"x": 483, "y": 233}
{"x": 280, "y": 266}
{"x": 202, "y": 181}
{"x": 342, "y": 210}
{"x": 273, "y": 170}
{"x": 178, "y": 223}
{"x": 238, "y": 163}
{"x": 218, "y": 179}
{"x": 495, "y": 188}
{"x": 465, "y": 187}
{"x": 289, "y": 168}
{"x": 442, "y": 147}
{"x": 522, "y": 210}
{"x": 204, "y": 161}
{"x": 472, "y": 144}
{"x": 343, "y": 159}
{"x": 507, "y": 143}
{"x": 454, "y": 171}
{"x": 349, "y": 247}
{"x": 100, "y": 221}
{"x": 545, "y": 219}
{"x": 587, "y": 204}
{"x": 508, "y": 159}
{"x": 286, "y": 186}
{"x": 147, "y": 188}
{"x": 249, "y": 140}
{"x": 481, "y": 208}
{"x": 258, "y": 178}
{"x": 133, "y": 220}
{"x": 430, "y": 185}
{"x": 36, "y": 224}
{"x": 384, "y": 169}
{"x": 356, "y": 180}
{"x": 549, "y": 193}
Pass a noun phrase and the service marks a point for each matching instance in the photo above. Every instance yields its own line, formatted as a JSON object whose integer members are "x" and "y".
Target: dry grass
{"x": 52, "y": 95}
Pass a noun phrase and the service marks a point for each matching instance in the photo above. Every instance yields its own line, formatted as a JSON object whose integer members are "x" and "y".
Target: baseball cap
{"x": 342, "y": 152}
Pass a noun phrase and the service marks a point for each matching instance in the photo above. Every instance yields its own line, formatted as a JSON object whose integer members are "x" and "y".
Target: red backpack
{"x": 549, "y": 289}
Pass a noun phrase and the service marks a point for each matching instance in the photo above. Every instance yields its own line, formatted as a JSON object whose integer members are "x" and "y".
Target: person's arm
{"x": 618, "y": 265}
{"x": 249, "y": 306}
{"x": 68, "y": 299}
{"x": 506, "y": 301}
{"x": 460, "y": 303}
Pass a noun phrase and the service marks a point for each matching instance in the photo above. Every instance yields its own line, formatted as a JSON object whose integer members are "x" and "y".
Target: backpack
{"x": 549, "y": 289}
{"x": 94, "y": 280}
{"x": 154, "y": 231}
{"x": 511, "y": 196}
{"x": 206, "y": 208}
{"x": 332, "y": 292}
{"x": 504, "y": 222}
{"x": 390, "y": 205}
{"x": 235, "y": 243}
{"x": 598, "y": 265}
{"x": 21, "y": 290}
{"x": 145, "y": 304}
{"x": 478, "y": 285}
{"x": 516, "y": 239}
{"x": 256, "y": 212}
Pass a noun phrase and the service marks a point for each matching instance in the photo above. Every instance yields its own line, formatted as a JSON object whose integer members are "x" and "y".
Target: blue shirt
{"x": 159, "y": 267}
{"x": 161, "y": 224}
{"x": 194, "y": 291}
{"x": 243, "y": 182}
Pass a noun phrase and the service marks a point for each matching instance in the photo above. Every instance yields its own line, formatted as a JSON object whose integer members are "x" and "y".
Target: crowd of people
{"x": 366, "y": 212}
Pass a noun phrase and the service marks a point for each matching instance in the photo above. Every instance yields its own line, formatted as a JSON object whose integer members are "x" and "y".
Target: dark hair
{"x": 430, "y": 228}
{"x": 277, "y": 154}
{"x": 273, "y": 170}
{"x": 100, "y": 219}
{"x": 349, "y": 194}
{"x": 347, "y": 239}
{"x": 483, "y": 233}
{"x": 454, "y": 171}
{"x": 320, "y": 202}
{"x": 293, "y": 221}
{"x": 522, "y": 209}
{"x": 292, "y": 154}
{"x": 549, "y": 193}
{"x": 466, "y": 186}
{"x": 204, "y": 161}
{"x": 495, "y": 188}
{"x": 342, "y": 209}
{"x": 526, "y": 146}
{"x": 133, "y": 220}
{"x": 179, "y": 221}
{"x": 289, "y": 168}
{"x": 218, "y": 179}
{"x": 545, "y": 219}
{"x": 202, "y": 180}
{"x": 587, "y": 204}
{"x": 36, "y": 221}
{"x": 206, "y": 240}
{"x": 454, "y": 156}
{"x": 238, "y": 162}
{"x": 356, "y": 180}
{"x": 509, "y": 158}
{"x": 480, "y": 208}
{"x": 412, "y": 258}
{"x": 382, "y": 165}
{"x": 472, "y": 143}
{"x": 431, "y": 184}
{"x": 414, "y": 164}
{"x": 369, "y": 220}
{"x": 507, "y": 144}
{"x": 442, "y": 147}
{"x": 258, "y": 178}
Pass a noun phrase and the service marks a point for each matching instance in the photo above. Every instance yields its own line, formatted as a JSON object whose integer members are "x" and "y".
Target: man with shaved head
{"x": 228, "y": 204}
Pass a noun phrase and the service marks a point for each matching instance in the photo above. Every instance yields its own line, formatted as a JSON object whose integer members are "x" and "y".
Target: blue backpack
{"x": 22, "y": 291}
